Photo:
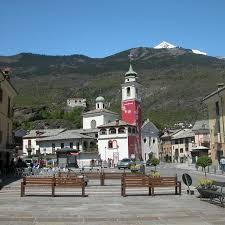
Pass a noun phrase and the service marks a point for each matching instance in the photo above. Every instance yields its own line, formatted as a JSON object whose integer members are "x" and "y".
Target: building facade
{"x": 182, "y": 143}
{"x": 99, "y": 116}
{"x": 117, "y": 140}
{"x": 216, "y": 109}
{"x": 150, "y": 142}
{"x": 7, "y": 93}
{"x": 30, "y": 145}
{"x": 76, "y": 102}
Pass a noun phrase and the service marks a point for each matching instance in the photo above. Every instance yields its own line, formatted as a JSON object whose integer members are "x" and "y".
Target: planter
{"x": 204, "y": 194}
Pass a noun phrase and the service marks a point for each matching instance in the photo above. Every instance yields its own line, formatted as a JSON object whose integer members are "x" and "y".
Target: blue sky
{"x": 99, "y": 28}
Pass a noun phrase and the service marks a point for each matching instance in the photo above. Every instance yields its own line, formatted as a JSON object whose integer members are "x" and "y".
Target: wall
{"x": 48, "y": 145}
{"x": 87, "y": 121}
{"x": 34, "y": 145}
{"x": 217, "y": 134}
{"x": 120, "y": 145}
{"x": 150, "y": 144}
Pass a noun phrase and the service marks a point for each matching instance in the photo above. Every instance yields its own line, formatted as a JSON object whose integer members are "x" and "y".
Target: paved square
{"x": 104, "y": 205}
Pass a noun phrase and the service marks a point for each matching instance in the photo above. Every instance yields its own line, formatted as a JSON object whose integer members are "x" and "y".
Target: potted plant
{"x": 204, "y": 183}
{"x": 203, "y": 162}
{"x": 155, "y": 162}
{"x": 156, "y": 174}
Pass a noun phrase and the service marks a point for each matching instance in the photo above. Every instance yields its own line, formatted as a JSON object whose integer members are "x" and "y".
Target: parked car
{"x": 124, "y": 164}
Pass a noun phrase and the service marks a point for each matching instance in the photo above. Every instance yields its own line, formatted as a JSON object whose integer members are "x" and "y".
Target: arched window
{"x": 129, "y": 130}
{"x": 121, "y": 130}
{"x": 114, "y": 144}
{"x": 85, "y": 145}
{"x": 128, "y": 92}
{"x": 93, "y": 124}
{"x": 103, "y": 131}
{"x": 112, "y": 130}
{"x": 145, "y": 140}
{"x": 110, "y": 144}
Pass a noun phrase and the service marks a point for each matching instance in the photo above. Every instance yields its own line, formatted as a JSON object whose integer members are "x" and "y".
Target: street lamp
{"x": 45, "y": 157}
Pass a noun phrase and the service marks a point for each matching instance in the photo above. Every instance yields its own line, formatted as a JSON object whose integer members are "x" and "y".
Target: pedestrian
{"x": 222, "y": 164}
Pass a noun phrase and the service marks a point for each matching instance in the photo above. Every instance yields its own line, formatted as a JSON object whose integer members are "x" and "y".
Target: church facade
{"x": 122, "y": 138}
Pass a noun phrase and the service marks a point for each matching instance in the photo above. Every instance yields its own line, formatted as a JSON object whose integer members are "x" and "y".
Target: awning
{"x": 66, "y": 150}
{"x": 74, "y": 153}
{"x": 200, "y": 148}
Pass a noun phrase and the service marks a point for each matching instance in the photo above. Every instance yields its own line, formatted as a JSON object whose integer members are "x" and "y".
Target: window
{"x": 186, "y": 149}
{"x": 128, "y": 92}
{"x": 1, "y": 95}
{"x": 112, "y": 131}
{"x": 217, "y": 109}
{"x": 53, "y": 148}
{"x": 121, "y": 130}
{"x": 98, "y": 106}
{"x": 62, "y": 145}
{"x": 181, "y": 141}
{"x": 93, "y": 124}
{"x": 96, "y": 135}
{"x": 85, "y": 144}
{"x": 181, "y": 150}
{"x": 110, "y": 144}
{"x": 176, "y": 141}
{"x": 129, "y": 130}
{"x": 153, "y": 141}
{"x": 71, "y": 144}
{"x": 134, "y": 130}
{"x": 77, "y": 145}
{"x": 103, "y": 131}
{"x": 115, "y": 144}
{"x": 145, "y": 140}
{"x": 29, "y": 143}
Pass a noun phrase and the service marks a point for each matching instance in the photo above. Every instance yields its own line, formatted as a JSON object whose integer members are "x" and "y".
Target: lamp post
{"x": 45, "y": 157}
{"x": 105, "y": 154}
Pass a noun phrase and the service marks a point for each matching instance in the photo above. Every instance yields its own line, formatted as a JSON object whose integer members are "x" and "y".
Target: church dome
{"x": 99, "y": 99}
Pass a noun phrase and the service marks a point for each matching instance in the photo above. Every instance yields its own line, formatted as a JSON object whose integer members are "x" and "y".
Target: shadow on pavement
{"x": 7, "y": 180}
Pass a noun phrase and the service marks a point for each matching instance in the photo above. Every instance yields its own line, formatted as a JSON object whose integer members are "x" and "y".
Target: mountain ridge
{"x": 174, "y": 80}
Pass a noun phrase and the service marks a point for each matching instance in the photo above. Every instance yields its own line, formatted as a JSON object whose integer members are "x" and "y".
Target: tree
{"x": 204, "y": 161}
{"x": 155, "y": 162}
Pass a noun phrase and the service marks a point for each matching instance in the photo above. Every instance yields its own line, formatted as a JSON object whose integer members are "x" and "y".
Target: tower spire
{"x": 131, "y": 72}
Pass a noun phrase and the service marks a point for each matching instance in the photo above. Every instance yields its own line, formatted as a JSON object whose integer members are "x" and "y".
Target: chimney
{"x": 220, "y": 85}
{"x": 117, "y": 122}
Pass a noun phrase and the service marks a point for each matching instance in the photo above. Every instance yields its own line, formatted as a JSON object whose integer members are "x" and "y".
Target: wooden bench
{"x": 165, "y": 182}
{"x": 93, "y": 176}
{"x": 37, "y": 182}
{"x": 70, "y": 182}
{"x": 133, "y": 181}
{"x": 110, "y": 176}
{"x": 216, "y": 194}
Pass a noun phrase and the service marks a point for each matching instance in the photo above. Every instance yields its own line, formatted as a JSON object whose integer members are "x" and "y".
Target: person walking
{"x": 222, "y": 164}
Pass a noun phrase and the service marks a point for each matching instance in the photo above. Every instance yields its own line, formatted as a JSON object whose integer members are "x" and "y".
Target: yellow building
{"x": 216, "y": 112}
{"x": 7, "y": 93}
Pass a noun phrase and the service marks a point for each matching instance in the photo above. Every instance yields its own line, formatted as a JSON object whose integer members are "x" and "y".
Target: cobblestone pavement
{"x": 104, "y": 205}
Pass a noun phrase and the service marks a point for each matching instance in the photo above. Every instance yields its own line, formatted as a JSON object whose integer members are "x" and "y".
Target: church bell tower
{"x": 131, "y": 104}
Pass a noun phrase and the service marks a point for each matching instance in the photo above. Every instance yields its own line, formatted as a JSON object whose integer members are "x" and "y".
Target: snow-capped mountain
{"x": 196, "y": 51}
{"x": 165, "y": 44}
